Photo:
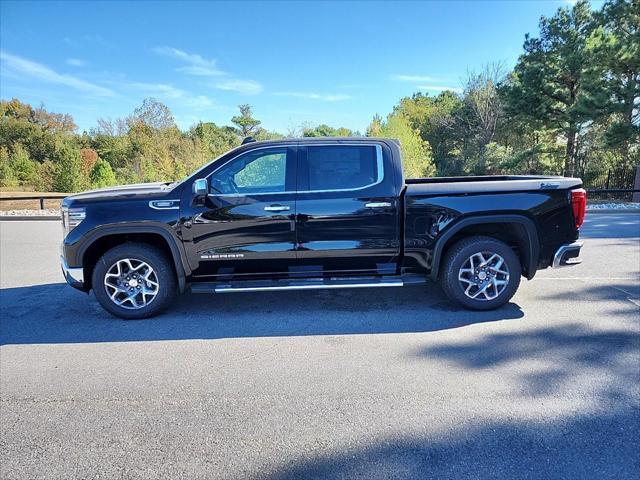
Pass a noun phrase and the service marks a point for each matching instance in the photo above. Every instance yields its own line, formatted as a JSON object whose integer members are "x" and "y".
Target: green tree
{"x": 68, "y": 170}
{"x": 548, "y": 83}
{"x": 245, "y": 123}
{"x": 325, "y": 130}
{"x": 416, "y": 152}
{"x": 45, "y": 180}
{"x": 7, "y": 177}
{"x": 102, "y": 175}
{"x": 438, "y": 121}
{"x": 216, "y": 140}
{"x": 24, "y": 169}
{"x": 375, "y": 127}
{"x": 615, "y": 48}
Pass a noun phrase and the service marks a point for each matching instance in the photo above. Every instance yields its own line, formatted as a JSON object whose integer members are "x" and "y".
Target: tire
{"x": 147, "y": 290}
{"x": 460, "y": 282}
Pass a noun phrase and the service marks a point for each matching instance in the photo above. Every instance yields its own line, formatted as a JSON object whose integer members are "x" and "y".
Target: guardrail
{"x": 41, "y": 198}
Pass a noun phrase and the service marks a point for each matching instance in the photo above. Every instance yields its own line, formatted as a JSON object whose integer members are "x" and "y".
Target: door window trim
{"x": 379, "y": 163}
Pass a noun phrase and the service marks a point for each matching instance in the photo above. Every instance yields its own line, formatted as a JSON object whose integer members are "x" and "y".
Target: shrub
{"x": 24, "y": 169}
{"x": 68, "y": 170}
{"x": 7, "y": 176}
{"x": 102, "y": 175}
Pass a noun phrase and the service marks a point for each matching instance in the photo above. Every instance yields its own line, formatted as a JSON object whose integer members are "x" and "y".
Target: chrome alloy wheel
{"x": 484, "y": 276}
{"x": 131, "y": 283}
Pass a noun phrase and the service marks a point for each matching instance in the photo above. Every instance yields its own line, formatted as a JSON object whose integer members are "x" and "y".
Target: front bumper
{"x": 567, "y": 255}
{"x": 73, "y": 276}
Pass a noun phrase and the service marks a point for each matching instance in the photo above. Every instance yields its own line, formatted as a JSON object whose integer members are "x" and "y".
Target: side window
{"x": 260, "y": 171}
{"x": 343, "y": 167}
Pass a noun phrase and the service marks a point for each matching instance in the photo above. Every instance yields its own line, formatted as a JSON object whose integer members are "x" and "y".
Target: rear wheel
{"x": 481, "y": 273}
{"x": 133, "y": 281}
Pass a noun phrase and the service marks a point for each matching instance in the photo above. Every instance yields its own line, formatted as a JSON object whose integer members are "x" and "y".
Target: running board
{"x": 306, "y": 284}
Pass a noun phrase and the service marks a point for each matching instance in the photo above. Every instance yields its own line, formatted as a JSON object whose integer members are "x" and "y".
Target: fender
{"x": 177, "y": 253}
{"x": 532, "y": 253}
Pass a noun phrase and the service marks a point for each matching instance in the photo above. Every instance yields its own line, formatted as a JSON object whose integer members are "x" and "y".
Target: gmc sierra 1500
{"x": 317, "y": 213}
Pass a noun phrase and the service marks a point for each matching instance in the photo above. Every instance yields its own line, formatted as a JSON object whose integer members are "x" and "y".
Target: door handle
{"x": 377, "y": 204}
{"x": 277, "y": 208}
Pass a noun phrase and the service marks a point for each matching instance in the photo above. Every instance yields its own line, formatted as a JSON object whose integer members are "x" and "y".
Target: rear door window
{"x": 342, "y": 167}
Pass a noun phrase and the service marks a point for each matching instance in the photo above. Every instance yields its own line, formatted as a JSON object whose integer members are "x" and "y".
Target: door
{"x": 247, "y": 224}
{"x": 348, "y": 218}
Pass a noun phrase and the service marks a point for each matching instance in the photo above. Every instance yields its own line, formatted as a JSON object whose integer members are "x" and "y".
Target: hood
{"x": 144, "y": 190}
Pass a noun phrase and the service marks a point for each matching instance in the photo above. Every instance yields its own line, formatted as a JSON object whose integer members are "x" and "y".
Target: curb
{"x": 613, "y": 211}
{"x": 28, "y": 217}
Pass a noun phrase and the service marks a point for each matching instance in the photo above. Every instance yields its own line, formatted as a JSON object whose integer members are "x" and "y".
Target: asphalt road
{"x": 381, "y": 383}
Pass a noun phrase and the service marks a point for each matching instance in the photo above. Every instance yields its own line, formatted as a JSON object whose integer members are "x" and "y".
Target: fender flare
{"x": 531, "y": 255}
{"x": 177, "y": 254}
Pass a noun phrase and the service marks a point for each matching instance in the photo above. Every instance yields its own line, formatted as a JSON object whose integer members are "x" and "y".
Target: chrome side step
{"x": 305, "y": 284}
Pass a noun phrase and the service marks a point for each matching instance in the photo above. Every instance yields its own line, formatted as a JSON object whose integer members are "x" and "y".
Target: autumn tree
{"x": 153, "y": 114}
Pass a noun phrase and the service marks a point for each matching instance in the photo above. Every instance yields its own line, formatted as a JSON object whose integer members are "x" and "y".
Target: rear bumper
{"x": 73, "y": 276}
{"x": 567, "y": 255}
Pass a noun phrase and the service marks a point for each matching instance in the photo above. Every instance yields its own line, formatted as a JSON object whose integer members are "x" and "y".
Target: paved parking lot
{"x": 381, "y": 383}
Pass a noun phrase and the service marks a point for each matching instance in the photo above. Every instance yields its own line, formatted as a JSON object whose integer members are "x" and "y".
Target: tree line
{"x": 571, "y": 106}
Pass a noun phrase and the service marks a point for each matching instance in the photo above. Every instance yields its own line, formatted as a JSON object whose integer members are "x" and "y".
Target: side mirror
{"x": 200, "y": 187}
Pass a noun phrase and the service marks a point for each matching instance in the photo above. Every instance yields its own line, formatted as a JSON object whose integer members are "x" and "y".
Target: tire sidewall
{"x": 461, "y": 252}
{"x": 158, "y": 262}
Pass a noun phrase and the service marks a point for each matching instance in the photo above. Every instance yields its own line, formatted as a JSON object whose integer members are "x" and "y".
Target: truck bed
{"x": 487, "y": 184}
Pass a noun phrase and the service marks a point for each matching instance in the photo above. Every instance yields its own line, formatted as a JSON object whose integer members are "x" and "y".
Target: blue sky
{"x": 294, "y": 62}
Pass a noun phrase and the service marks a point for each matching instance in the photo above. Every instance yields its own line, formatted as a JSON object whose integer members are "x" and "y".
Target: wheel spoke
{"x": 482, "y": 290}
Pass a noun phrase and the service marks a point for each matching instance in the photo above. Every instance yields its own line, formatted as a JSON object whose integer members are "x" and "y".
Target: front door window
{"x": 260, "y": 171}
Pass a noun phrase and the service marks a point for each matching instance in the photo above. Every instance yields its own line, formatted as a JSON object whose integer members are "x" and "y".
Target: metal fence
{"x": 40, "y": 198}
{"x": 612, "y": 184}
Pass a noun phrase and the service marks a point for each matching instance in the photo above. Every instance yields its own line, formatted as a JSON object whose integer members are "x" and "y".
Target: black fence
{"x": 611, "y": 184}
{"x": 40, "y": 198}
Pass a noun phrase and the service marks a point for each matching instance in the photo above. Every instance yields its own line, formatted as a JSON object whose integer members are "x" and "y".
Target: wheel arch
{"x": 517, "y": 229}
{"x": 108, "y": 237}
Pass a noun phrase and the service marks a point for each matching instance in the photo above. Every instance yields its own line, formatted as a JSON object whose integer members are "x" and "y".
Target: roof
{"x": 323, "y": 140}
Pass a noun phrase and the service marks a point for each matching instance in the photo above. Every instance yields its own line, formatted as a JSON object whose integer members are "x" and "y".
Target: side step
{"x": 306, "y": 284}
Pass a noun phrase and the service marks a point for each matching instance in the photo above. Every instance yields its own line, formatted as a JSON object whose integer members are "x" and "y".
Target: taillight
{"x": 579, "y": 204}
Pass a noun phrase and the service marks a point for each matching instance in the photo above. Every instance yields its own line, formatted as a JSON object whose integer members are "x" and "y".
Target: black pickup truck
{"x": 317, "y": 213}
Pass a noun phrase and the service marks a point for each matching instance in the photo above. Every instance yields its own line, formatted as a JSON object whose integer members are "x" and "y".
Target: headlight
{"x": 71, "y": 218}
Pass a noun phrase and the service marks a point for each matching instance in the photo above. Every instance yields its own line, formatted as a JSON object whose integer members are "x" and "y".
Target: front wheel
{"x": 481, "y": 273}
{"x": 134, "y": 281}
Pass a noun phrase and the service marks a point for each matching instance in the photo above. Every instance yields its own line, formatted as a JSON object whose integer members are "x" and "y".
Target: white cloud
{"x": 159, "y": 89}
{"x": 196, "y": 64}
{"x": 439, "y": 88}
{"x": 76, "y": 62}
{"x": 166, "y": 91}
{"x": 412, "y": 78}
{"x": 198, "y": 101}
{"x": 246, "y": 87}
{"x": 41, "y": 72}
{"x": 325, "y": 97}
